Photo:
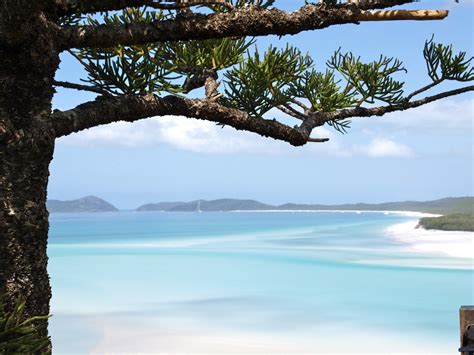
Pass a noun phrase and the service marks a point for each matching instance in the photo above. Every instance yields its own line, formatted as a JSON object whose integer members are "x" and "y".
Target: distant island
{"x": 457, "y": 212}
{"x": 222, "y": 205}
{"x": 85, "y": 204}
{"x": 452, "y": 205}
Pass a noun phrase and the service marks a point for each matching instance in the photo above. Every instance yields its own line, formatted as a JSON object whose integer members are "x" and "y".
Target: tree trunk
{"x": 24, "y": 173}
{"x": 24, "y": 225}
{"x": 28, "y": 61}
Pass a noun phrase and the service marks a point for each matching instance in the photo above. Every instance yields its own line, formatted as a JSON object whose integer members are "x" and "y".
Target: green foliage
{"x": 217, "y": 54}
{"x": 453, "y": 222}
{"x": 241, "y": 3}
{"x": 443, "y": 64}
{"x": 284, "y": 76}
{"x": 20, "y": 336}
{"x": 155, "y": 67}
{"x": 71, "y": 20}
{"x": 324, "y": 93}
{"x": 261, "y": 83}
{"x": 372, "y": 81}
{"x": 129, "y": 69}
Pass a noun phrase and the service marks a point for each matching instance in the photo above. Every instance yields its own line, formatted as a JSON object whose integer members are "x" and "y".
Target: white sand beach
{"x": 454, "y": 244}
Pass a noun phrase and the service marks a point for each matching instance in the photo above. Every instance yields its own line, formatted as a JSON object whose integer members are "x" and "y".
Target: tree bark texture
{"x": 28, "y": 61}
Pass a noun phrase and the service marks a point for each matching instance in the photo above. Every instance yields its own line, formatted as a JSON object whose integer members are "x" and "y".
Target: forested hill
{"x": 442, "y": 206}
{"x": 221, "y": 205}
{"x": 85, "y": 204}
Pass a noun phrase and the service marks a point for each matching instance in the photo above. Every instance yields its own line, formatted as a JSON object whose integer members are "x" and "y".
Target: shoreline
{"x": 451, "y": 243}
{"x": 388, "y": 212}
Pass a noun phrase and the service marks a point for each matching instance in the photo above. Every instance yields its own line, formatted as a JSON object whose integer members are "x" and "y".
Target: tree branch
{"x": 292, "y": 112}
{"x": 382, "y": 110}
{"x": 246, "y": 21}
{"x": 423, "y": 89}
{"x": 68, "y": 85}
{"x": 70, "y": 7}
{"x": 132, "y": 108}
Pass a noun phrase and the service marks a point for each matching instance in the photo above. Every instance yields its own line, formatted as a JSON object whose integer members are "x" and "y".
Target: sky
{"x": 422, "y": 154}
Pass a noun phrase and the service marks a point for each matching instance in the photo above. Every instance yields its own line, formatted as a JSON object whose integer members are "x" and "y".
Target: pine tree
{"x": 143, "y": 58}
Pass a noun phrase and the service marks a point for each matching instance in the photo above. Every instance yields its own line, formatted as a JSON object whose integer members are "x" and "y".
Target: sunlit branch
{"x": 247, "y": 21}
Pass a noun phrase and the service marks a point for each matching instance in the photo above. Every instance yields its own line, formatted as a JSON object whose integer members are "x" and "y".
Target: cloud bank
{"x": 207, "y": 138}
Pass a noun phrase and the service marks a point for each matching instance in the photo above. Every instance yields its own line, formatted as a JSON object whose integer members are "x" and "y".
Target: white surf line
{"x": 403, "y": 213}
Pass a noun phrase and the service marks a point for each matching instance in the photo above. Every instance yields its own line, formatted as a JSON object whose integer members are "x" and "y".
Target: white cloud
{"x": 178, "y": 132}
{"x": 376, "y": 147}
{"x": 207, "y": 138}
{"x": 384, "y": 147}
{"x": 439, "y": 115}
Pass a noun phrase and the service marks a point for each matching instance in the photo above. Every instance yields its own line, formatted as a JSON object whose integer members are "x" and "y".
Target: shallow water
{"x": 241, "y": 282}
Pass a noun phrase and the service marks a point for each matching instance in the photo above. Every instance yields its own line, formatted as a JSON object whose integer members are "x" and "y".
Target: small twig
{"x": 211, "y": 86}
{"x": 300, "y": 104}
{"x": 317, "y": 140}
{"x": 79, "y": 59}
{"x": 292, "y": 112}
{"x": 68, "y": 85}
{"x": 423, "y": 89}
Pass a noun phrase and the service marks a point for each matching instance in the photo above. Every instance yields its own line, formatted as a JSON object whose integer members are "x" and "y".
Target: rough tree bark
{"x": 27, "y": 67}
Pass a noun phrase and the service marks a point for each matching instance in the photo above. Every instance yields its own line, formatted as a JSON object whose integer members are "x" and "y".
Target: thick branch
{"x": 247, "y": 21}
{"x": 133, "y": 108}
{"x": 70, "y": 7}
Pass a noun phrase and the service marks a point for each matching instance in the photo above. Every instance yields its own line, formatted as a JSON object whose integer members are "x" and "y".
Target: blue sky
{"x": 422, "y": 154}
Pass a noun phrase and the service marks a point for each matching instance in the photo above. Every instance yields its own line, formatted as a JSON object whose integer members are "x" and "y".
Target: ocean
{"x": 250, "y": 282}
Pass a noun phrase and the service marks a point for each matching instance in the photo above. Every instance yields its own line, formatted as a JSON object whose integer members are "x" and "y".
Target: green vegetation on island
{"x": 221, "y": 205}
{"x": 452, "y": 222}
{"x": 449, "y": 205}
{"x": 85, "y": 204}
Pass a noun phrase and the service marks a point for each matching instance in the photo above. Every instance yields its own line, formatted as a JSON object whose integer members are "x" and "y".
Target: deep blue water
{"x": 298, "y": 278}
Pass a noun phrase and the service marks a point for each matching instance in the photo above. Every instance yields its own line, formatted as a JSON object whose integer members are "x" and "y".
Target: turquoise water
{"x": 296, "y": 279}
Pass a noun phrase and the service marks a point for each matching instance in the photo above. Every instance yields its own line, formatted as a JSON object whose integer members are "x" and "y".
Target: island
{"x": 221, "y": 205}
{"x": 457, "y": 211}
{"x": 448, "y": 205}
{"x": 85, "y": 204}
